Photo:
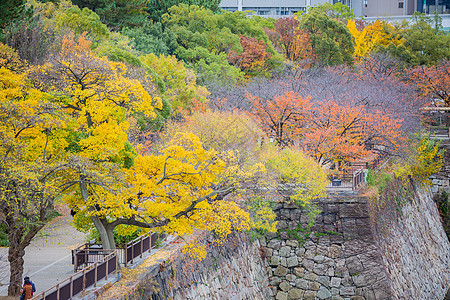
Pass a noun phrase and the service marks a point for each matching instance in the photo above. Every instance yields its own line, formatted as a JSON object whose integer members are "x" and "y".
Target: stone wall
{"x": 416, "y": 251}
{"x": 348, "y": 255}
{"x": 336, "y": 259}
{"x": 231, "y": 271}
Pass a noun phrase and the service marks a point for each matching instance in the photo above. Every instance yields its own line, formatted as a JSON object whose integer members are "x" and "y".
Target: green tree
{"x": 157, "y": 8}
{"x": 337, "y": 11}
{"x": 11, "y": 10}
{"x": 331, "y": 40}
{"x": 152, "y": 38}
{"x": 427, "y": 44}
{"x": 210, "y": 67}
{"x": 117, "y": 14}
{"x": 64, "y": 15}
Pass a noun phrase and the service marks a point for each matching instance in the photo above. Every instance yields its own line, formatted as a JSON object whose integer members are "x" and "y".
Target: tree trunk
{"x": 15, "y": 258}
{"x": 19, "y": 239}
{"x": 105, "y": 231}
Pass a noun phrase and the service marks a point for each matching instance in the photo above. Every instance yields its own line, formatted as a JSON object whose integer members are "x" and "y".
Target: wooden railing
{"x": 358, "y": 179}
{"x": 89, "y": 253}
{"x": 351, "y": 181}
{"x": 81, "y": 280}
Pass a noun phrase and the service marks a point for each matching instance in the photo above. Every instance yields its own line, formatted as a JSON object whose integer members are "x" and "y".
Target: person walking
{"x": 27, "y": 290}
{"x": 31, "y": 282}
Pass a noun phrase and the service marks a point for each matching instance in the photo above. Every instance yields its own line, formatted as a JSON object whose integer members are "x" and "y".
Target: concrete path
{"x": 48, "y": 259}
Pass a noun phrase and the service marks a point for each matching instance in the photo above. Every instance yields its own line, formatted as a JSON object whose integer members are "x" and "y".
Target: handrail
{"x": 83, "y": 271}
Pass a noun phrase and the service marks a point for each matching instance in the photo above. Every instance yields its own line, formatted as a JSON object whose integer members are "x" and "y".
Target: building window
{"x": 263, "y": 12}
{"x": 400, "y": 5}
{"x": 365, "y": 3}
{"x": 284, "y": 11}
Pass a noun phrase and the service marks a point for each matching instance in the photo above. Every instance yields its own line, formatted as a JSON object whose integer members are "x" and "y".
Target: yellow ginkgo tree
{"x": 177, "y": 189}
{"x": 32, "y": 143}
{"x": 372, "y": 36}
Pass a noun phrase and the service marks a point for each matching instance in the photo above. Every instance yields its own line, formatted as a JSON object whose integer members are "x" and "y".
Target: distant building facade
{"x": 271, "y": 8}
{"x": 366, "y": 8}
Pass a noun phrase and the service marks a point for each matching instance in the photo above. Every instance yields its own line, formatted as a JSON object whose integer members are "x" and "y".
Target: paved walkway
{"x": 48, "y": 258}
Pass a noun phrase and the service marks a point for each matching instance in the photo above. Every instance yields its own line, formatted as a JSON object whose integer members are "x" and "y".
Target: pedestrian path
{"x": 48, "y": 258}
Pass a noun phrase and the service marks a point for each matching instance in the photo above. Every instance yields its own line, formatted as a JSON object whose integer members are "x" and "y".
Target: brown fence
{"x": 83, "y": 279}
{"x": 350, "y": 182}
{"x": 358, "y": 179}
{"x": 89, "y": 253}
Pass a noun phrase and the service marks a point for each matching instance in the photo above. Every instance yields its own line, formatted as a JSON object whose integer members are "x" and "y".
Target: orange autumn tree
{"x": 253, "y": 59}
{"x": 433, "y": 81}
{"x": 339, "y": 134}
{"x": 293, "y": 42}
{"x": 300, "y": 48}
{"x": 284, "y": 117}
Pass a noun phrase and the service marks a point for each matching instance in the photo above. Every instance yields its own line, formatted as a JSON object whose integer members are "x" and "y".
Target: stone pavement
{"x": 48, "y": 258}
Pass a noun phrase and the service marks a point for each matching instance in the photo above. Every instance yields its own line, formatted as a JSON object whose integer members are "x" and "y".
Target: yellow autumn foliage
{"x": 376, "y": 34}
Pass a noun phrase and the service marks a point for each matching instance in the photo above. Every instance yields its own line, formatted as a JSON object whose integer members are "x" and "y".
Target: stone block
{"x": 323, "y": 293}
{"x": 284, "y": 251}
{"x": 300, "y": 252}
{"x": 291, "y": 277}
{"x": 309, "y": 245}
{"x": 320, "y": 269}
{"x": 309, "y": 295}
{"x": 319, "y": 259}
{"x": 280, "y": 271}
{"x": 309, "y": 254}
{"x": 292, "y": 261}
{"x": 357, "y": 298}
{"x": 301, "y": 283}
{"x": 274, "y": 244}
{"x": 334, "y": 251}
{"x": 347, "y": 281}
{"x": 281, "y": 296}
{"x": 310, "y": 276}
{"x": 308, "y": 264}
{"x": 347, "y": 291}
{"x": 292, "y": 243}
{"x": 268, "y": 251}
{"x": 354, "y": 265}
{"x": 275, "y": 281}
{"x": 285, "y": 286}
{"x": 283, "y": 262}
{"x": 299, "y": 271}
{"x": 275, "y": 261}
{"x": 324, "y": 280}
{"x": 335, "y": 282}
{"x": 335, "y": 291}
{"x": 359, "y": 280}
{"x": 314, "y": 286}
{"x": 295, "y": 294}
{"x": 341, "y": 271}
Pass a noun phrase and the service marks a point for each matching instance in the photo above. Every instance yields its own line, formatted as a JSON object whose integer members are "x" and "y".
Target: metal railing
{"x": 81, "y": 280}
